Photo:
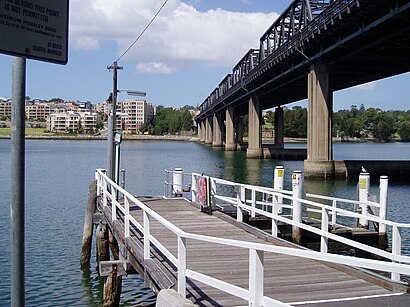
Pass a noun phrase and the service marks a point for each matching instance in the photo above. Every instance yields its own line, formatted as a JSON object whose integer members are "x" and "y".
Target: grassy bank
{"x": 38, "y": 132}
{"x": 29, "y": 131}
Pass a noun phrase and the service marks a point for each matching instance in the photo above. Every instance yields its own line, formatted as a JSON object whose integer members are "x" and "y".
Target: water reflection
{"x": 93, "y": 287}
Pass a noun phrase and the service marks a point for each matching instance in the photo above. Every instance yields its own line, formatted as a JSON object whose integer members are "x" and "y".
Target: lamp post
{"x": 112, "y": 118}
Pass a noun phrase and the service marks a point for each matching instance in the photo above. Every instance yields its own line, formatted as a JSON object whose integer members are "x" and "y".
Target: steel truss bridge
{"x": 358, "y": 40}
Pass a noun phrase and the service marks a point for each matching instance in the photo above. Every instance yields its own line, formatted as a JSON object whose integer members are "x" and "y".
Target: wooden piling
{"x": 88, "y": 225}
{"x": 115, "y": 250}
{"x": 103, "y": 252}
{"x": 112, "y": 288}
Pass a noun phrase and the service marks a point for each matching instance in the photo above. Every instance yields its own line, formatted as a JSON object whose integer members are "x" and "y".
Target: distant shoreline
{"x": 100, "y": 138}
{"x": 141, "y": 137}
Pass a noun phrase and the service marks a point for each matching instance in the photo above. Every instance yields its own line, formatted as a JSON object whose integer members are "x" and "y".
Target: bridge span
{"x": 314, "y": 48}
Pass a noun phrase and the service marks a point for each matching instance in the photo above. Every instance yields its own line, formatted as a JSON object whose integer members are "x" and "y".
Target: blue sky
{"x": 183, "y": 56}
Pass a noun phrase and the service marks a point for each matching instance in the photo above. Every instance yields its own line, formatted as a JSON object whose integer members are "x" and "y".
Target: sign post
{"x": 33, "y": 29}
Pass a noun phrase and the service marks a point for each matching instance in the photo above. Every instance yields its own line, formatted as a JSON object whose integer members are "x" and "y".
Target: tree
{"x": 186, "y": 120}
{"x": 404, "y": 131}
{"x": 383, "y": 130}
{"x": 57, "y": 100}
{"x": 295, "y": 122}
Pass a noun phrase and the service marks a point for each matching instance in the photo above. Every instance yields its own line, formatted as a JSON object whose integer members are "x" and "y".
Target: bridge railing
{"x": 271, "y": 203}
{"x": 107, "y": 191}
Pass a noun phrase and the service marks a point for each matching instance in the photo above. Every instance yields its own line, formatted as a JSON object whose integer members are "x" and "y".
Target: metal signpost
{"x": 33, "y": 29}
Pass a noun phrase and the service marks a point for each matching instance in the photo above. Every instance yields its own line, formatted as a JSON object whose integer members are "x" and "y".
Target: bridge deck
{"x": 288, "y": 279}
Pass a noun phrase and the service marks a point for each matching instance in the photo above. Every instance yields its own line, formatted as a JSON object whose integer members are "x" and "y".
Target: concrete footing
{"x": 230, "y": 146}
{"x": 319, "y": 169}
{"x": 343, "y": 169}
{"x": 171, "y": 298}
{"x": 254, "y": 153}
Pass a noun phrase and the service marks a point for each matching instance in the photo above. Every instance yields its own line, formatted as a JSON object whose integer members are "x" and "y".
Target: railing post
{"x": 278, "y": 184}
{"x": 194, "y": 192}
{"x": 364, "y": 185}
{"x": 396, "y": 249}
{"x": 240, "y": 199}
{"x": 275, "y": 211}
{"x": 297, "y": 188}
{"x": 127, "y": 217}
{"x": 104, "y": 182}
{"x": 325, "y": 227}
{"x": 98, "y": 179}
{"x": 255, "y": 278}
{"x": 383, "y": 203}
{"x": 177, "y": 182}
{"x": 181, "y": 266}
{"x": 147, "y": 244}
{"x": 334, "y": 213}
{"x": 113, "y": 203}
{"x": 213, "y": 193}
{"x": 253, "y": 203}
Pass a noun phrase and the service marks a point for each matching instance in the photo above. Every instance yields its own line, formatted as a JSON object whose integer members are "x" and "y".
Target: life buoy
{"x": 201, "y": 184}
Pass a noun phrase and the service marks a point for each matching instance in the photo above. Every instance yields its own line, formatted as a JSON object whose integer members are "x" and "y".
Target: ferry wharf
{"x": 213, "y": 259}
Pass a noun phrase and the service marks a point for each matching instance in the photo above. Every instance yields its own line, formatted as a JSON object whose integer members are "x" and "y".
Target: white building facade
{"x": 70, "y": 121}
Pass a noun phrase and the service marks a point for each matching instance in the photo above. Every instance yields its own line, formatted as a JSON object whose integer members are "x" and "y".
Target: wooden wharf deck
{"x": 289, "y": 279}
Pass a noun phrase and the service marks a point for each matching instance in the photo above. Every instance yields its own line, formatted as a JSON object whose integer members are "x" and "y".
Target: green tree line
{"x": 356, "y": 122}
{"x": 169, "y": 120}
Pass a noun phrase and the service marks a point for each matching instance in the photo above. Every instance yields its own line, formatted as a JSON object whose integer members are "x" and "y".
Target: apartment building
{"x": 5, "y": 108}
{"x": 72, "y": 121}
{"x": 38, "y": 111}
{"x": 131, "y": 114}
{"x": 138, "y": 112}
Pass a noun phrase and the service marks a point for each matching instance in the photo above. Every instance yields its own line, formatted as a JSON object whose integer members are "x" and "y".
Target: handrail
{"x": 349, "y": 201}
{"x": 395, "y": 255}
{"x": 334, "y": 211}
{"x": 253, "y": 295}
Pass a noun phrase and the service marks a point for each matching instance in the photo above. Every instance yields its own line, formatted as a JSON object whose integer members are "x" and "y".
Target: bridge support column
{"x": 203, "y": 128}
{"x": 230, "y": 143}
{"x": 217, "y": 130}
{"x": 239, "y": 128}
{"x": 254, "y": 134}
{"x": 208, "y": 124}
{"x": 200, "y": 131}
{"x": 319, "y": 163}
{"x": 279, "y": 123}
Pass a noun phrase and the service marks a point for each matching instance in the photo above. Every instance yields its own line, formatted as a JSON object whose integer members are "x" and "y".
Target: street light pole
{"x": 112, "y": 121}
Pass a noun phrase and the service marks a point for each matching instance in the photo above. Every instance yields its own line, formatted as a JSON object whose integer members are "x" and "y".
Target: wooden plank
{"x": 107, "y": 267}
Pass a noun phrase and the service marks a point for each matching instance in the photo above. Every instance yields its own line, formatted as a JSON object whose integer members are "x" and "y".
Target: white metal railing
{"x": 107, "y": 190}
{"x": 269, "y": 202}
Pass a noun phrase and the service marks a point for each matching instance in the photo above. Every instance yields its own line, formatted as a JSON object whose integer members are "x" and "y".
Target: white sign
{"x": 36, "y": 29}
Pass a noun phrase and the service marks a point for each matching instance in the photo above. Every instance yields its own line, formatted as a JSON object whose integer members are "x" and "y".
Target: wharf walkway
{"x": 289, "y": 279}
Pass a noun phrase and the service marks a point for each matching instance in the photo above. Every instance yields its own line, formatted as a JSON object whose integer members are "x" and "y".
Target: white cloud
{"x": 180, "y": 34}
{"x": 367, "y": 86}
{"x": 154, "y": 67}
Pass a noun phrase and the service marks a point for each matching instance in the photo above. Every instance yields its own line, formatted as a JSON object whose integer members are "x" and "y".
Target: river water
{"x": 57, "y": 178}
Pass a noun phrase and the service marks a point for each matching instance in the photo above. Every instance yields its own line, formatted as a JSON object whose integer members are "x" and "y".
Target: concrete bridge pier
{"x": 217, "y": 130}
{"x": 201, "y": 131}
{"x": 230, "y": 143}
{"x": 255, "y": 129}
{"x": 208, "y": 125}
{"x": 239, "y": 130}
{"x": 319, "y": 163}
{"x": 279, "y": 124}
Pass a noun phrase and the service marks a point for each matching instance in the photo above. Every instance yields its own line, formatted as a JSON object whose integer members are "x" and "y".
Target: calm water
{"x": 57, "y": 178}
